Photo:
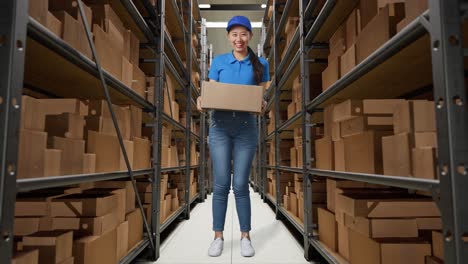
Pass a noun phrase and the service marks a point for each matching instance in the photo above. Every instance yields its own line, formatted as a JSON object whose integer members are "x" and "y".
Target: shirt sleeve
{"x": 214, "y": 70}
{"x": 266, "y": 71}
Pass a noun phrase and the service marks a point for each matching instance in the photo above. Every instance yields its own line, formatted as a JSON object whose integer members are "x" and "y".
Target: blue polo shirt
{"x": 226, "y": 68}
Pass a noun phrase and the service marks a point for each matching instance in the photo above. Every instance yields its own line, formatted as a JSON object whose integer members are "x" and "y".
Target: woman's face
{"x": 239, "y": 38}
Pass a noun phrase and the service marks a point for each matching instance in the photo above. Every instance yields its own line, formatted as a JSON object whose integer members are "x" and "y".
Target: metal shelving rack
{"x": 435, "y": 35}
{"x": 16, "y": 27}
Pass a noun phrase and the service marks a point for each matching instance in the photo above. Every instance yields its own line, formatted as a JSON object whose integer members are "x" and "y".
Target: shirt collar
{"x": 233, "y": 59}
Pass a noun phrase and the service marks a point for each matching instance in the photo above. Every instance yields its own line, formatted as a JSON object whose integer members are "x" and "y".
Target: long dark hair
{"x": 257, "y": 66}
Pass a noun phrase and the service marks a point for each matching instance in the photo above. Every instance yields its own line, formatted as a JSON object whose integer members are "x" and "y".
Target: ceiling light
{"x": 204, "y": 6}
{"x": 263, "y": 5}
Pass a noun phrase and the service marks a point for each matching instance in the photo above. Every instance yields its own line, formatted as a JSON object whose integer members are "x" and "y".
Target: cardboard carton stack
{"x": 169, "y": 201}
{"x": 68, "y": 136}
{"x": 379, "y": 226}
{"x": 51, "y": 138}
{"x": 116, "y": 46}
{"x": 392, "y": 136}
{"x": 284, "y": 151}
{"x": 296, "y": 151}
{"x": 102, "y": 138}
{"x": 98, "y": 225}
{"x": 193, "y": 184}
{"x": 293, "y": 196}
{"x": 370, "y": 25}
{"x": 171, "y": 107}
{"x": 289, "y": 30}
{"x": 413, "y": 9}
{"x": 296, "y": 104}
{"x": 270, "y": 177}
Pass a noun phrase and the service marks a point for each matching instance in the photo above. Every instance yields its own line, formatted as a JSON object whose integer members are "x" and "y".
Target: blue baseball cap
{"x": 239, "y": 21}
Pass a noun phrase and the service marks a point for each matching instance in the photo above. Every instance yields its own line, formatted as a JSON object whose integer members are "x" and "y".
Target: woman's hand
{"x": 199, "y": 108}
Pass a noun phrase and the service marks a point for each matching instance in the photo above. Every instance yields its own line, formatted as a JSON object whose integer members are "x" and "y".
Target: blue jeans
{"x": 232, "y": 137}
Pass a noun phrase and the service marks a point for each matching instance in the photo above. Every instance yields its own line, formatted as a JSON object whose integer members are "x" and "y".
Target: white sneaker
{"x": 216, "y": 247}
{"x": 247, "y": 249}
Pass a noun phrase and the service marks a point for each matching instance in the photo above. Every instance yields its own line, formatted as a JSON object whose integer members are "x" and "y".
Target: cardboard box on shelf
{"x": 382, "y": 228}
{"x": 232, "y": 97}
{"x": 83, "y": 205}
{"x": 92, "y": 226}
{"x": 379, "y": 205}
{"x": 363, "y": 152}
{"x": 73, "y": 32}
{"x": 437, "y": 244}
{"x": 328, "y": 120}
{"x": 331, "y": 74}
{"x": 425, "y": 139}
{"x": 60, "y": 106}
{"x": 142, "y": 153}
{"x": 66, "y": 125}
{"x": 346, "y": 110}
{"x": 293, "y": 203}
{"x": 25, "y": 257}
{"x": 72, "y": 154}
{"x": 368, "y": 251}
{"x": 348, "y": 60}
{"x": 32, "y": 207}
{"x": 286, "y": 203}
{"x": 54, "y": 246}
{"x": 291, "y": 109}
{"x": 168, "y": 201}
{"x": 324, "y": 154}
{"x": 54, "y": 24}
{"x": 72, "y": 9}
{"x": 414, "y": 116}
{"x": 424, "y": 163}
{"x": 122, "y": 240}
{"x": 129, "y": 192}
{"x": 299, "y": 157}
{"x": 368, "y": 9}
{"x": 335, "y": 131}
{"x": 361, "y": 124}
{"x": 300, "y": 209}
{"x": 109, "y": 55}
{"x": 52, "y": 161}
{"x": 89, "y": 163}
{"x": 328, "y": 232}
{"x": 175, "y": 204}
{"x": 135, "y": 227}
{"x": 96, "y": 249}
{"x": 380, "y": 106}
{"x": 109, "y": 157}
{"x": 415, "y": 8}
{"x": 343, "y": 240}
{"x": 397, "y": 155}
{"x": 353, "y": 28}
{"x": 337, "y": 43}
{"x": 379, "y": 30}
{"x": 32, "y": 117}
{"x": 334, "y": 186}
{"x": 38, "y": 10}
{"x": 139, "y": 81}
{"x": 429, "y": 223}
{"x": 31, "y": 160}
{"x": 339, "y": 156}
{"x": 29, "y": 225}
{"x": 175, "y": 111}
{"x": 127, "y": 73}
{"x": 136, "y": 120}
{"x": 293, "y": 157}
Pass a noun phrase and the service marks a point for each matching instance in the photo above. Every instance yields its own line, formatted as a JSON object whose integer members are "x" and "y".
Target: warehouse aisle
{"x": 272, "y": 241}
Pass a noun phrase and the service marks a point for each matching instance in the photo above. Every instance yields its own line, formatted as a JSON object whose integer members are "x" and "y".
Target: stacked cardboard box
{"x": 293, "y": 197}
{"x": 77, "y": 225}
{"x": 296, "y": 104}
{"x": 284, "y": 151}
{"x": 67, "y": 127}
{"x": 296, "y": 151}
{"x": 392, "y": 136}
{"x": 383, "y": 225}
{"x": 289, "y": 31}
{"x": 370, "y": 25}
{"x": 51, "y": 138}
{"x": 413, "y": 9}
{"x": 169, "y": 201}
{"x": 116, "y": 46}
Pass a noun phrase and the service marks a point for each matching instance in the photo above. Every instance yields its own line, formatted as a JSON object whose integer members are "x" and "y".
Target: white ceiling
{"x": 231, "y": 2}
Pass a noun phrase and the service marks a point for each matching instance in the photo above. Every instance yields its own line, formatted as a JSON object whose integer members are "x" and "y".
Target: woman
{"x": 233, "y": 135}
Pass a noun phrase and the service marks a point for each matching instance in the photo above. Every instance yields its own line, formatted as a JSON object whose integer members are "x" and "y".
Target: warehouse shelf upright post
{"x": 442, "y": 24}
{"x": 17, "y": 28}
{"x": 12, "y": 56}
